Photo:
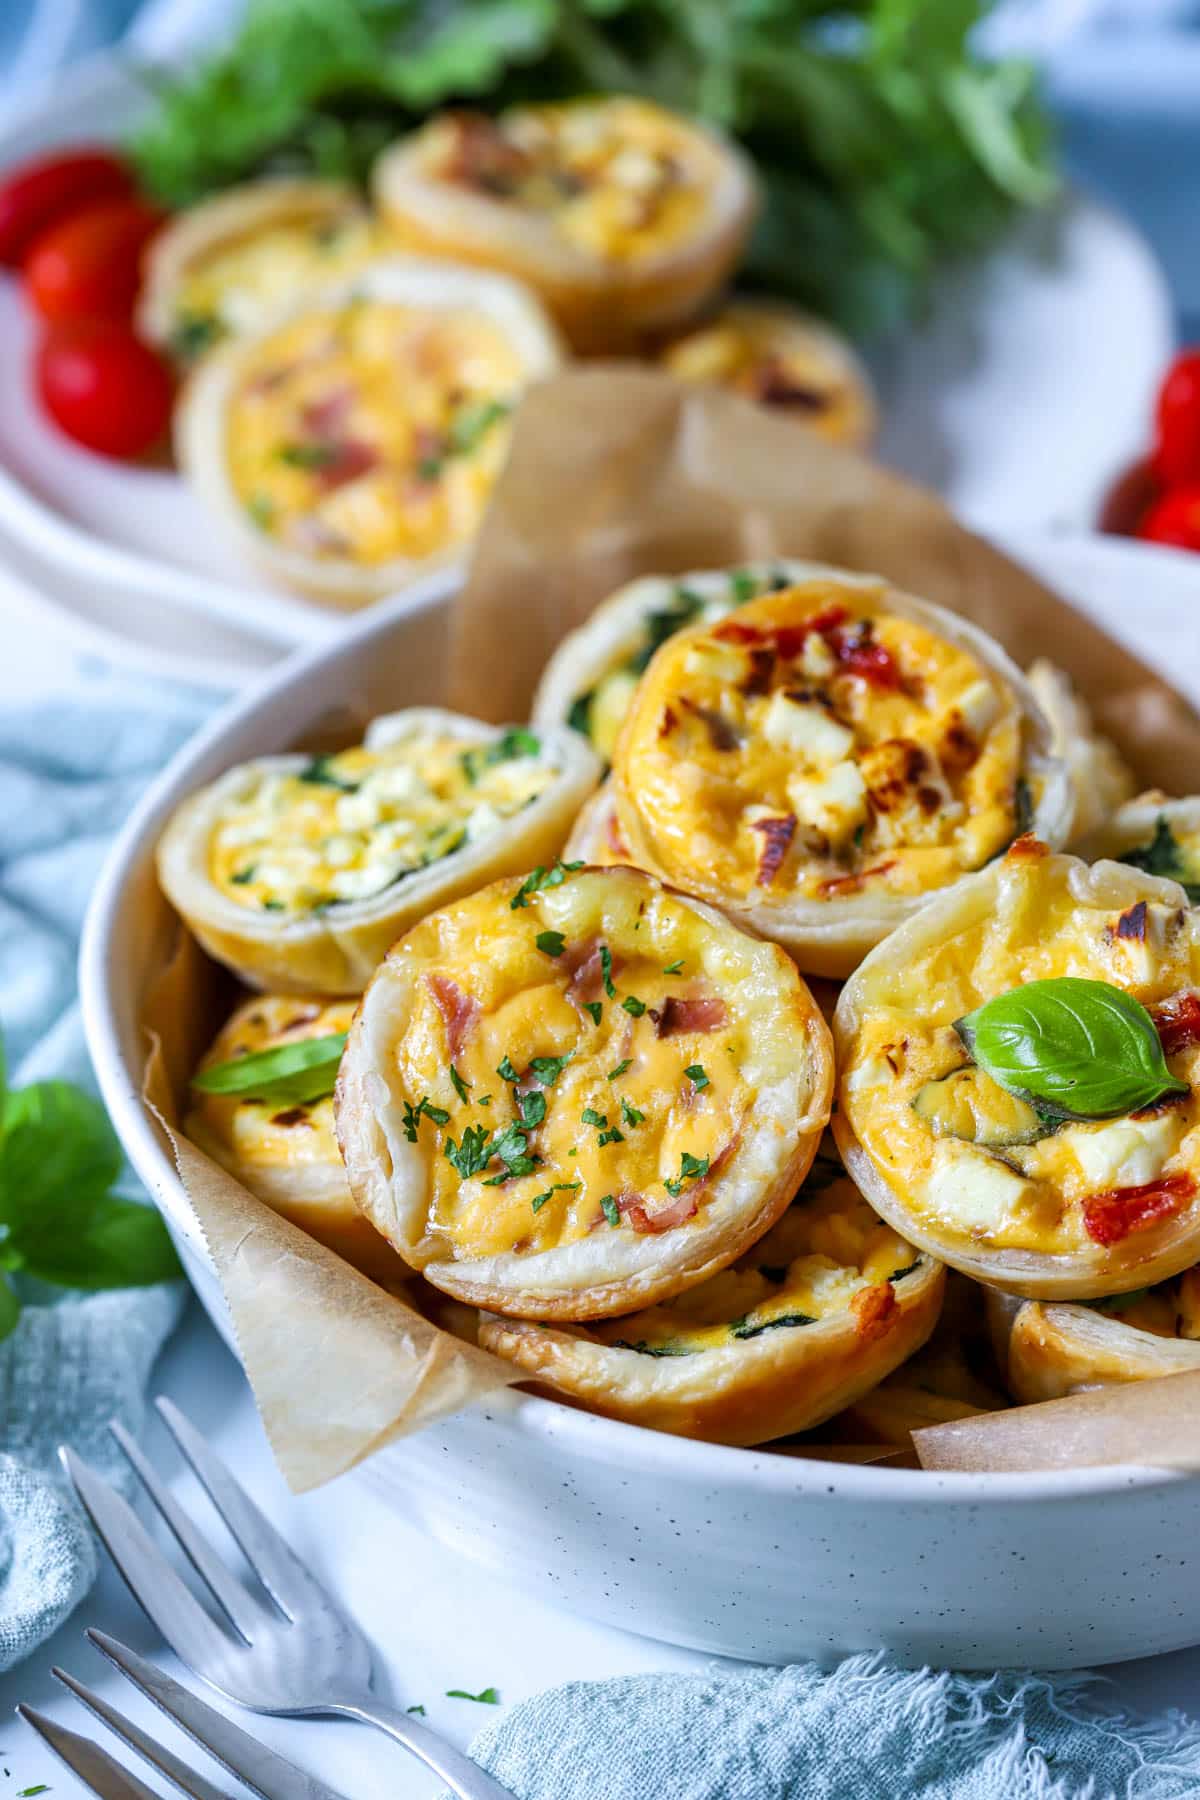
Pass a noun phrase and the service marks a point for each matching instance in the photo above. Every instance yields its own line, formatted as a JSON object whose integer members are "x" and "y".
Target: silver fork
{"x": 262, "y": 1770}
{"x": 299, "y": 1655}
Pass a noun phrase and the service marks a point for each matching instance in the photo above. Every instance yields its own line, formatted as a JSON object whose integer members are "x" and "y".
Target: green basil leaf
{"x": 58, "y": 1155}
{"x": 120, "y": 1244}
{"x": 1081, "y": 1049}
{"x": 10, "y": 1310}
{"x": 299, "y": 1072}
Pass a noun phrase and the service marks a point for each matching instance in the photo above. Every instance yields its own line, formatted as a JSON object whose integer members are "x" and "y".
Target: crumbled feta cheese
{"x": 807, "y": 728}
{"x": 833, "y": 801}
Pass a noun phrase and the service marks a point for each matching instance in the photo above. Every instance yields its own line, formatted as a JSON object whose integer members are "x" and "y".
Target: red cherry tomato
{"x": 38, "y": 193}
{"x": 104, "y": 387}
{"x": 1175, "y": 519}
{"x": 1177, "y": 421}
{"x": 89, "y": 266}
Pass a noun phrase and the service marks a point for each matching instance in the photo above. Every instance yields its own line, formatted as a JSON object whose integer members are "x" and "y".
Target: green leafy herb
{"x": 610, "y": 1209}
{"x": 630, "y": 1114}
{"x": 506, "y": 1071}
{"x": 633, "y": 1006}
{"x": 469, "y": 427}
{"x": 423, "y": 1109}
{"x": 606, "y": 971}
{"x": 1073, "y": 1048}
{"x": 741, "y": 1328}
{"x": 419, "y": 1710}
{"x": 547, "y": 1069}
{"x": 512, "y": 1148}
{"x": 507, "y": 748}
{"x": 691, "y": 1168}
{"x": 1163, "y": 855}
{"x": 533, "y": 1109}
{"x": 299, "y": 1073}
{"x": 241, "y": 876}
{"x": 590, "y": 1116}
{"x": 308, "y": 456}
{"x": 473, "y": 1155}
{"x": 461, "y": 1087}
{"x": 595, "y": 1008}
{"x": 272, "y": 906}
{"x": 662, "y": 623}
{"x": 539, "y": 1200}
{"x": 910, "y": 1269}
{"x": 193, "y": 333}
{"x": 673, "y": 968}
{"x": 551, "y": 943}
{"x": 321, "y": 773}
{"x": 261, "y": 509}
{"x": 697, "y": 1077}
{"x": 744, "y": 585}
{"x": 541, "y": 878}
{"x": 26, "y": 1793}
{"x": 579, "y": 714}
{"x": 489, "y": 1696}
{"x": 620, "y": 1068}
{"x": 668, "y": 1347}
{"x": 610, "y": 1136}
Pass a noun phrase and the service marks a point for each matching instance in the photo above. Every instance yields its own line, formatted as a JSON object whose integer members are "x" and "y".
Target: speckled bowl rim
{"x": 583, "y": 1436}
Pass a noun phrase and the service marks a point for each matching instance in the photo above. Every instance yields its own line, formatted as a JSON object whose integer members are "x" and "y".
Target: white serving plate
{"x": 733, "y": 1551}
{"x": 994, "y": 400}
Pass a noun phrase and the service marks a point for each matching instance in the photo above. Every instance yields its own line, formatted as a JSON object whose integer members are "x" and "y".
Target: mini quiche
{"x": 579, "y": 1094}
{"x": 298, "y": 871}
{"x": 1100, "y": 778}
{"x": 1016, "y": 1077}
{"x": 1055, "y": 1350}
{"x": 590, "y": 679}
{"x": 595, "y": 836}
{"x": 813, "y": 1315}
{"x": 282, "y": 1145}
{"x": 783, "y": 359}
{"x": 949, "y": 1378}
{"x": 354, "y": 440}
{"x": 228, "y": 264}
{"x": 621, "y": 216}
{"x": 1156, "y": 834}
{"x": 824, "y": 761}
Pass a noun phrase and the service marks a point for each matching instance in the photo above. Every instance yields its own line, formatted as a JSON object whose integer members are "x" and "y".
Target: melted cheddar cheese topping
{"x": 372, "y": 432}
{"x": 350, "y": 825}
{"x": 828, "y": 1248}
{"x": 594, "y": 1071}
{"x": 616, "y": 179}
{"x": 819, "y": 745}
{"x": 238, "y": 282}
{"x": 775, "y": 358}
{"x": 279, "y": 1134}
{"x": 973, "y": 1173}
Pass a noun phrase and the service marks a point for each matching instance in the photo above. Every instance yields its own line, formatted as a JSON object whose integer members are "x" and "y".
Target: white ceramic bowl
{"x": 733, "y": 1551}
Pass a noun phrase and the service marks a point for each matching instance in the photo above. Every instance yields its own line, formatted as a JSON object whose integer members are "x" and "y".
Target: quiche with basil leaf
{"x": 817, "y": 1312}
{"x": 827, "y": 759}
{"x": 578, "y": 1094}
{"x": 1018, "y": 1070}
{"x": 298, "y": 871}
{"x": 261, "y": 1105}
{"x": 621, "y": 216}
{"x": 351, "y": 440}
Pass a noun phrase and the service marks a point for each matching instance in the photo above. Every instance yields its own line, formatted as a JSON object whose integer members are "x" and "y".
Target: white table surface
{"x": 437, "y": 1622}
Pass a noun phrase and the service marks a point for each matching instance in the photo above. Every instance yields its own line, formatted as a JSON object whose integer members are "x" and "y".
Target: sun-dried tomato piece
{"x": 1115, "y": 1215}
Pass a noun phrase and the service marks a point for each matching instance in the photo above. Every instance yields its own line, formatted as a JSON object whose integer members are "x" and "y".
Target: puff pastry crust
{"x": 297, "y": 872}
{"x": 1100, "y": 777}
{"x": 1154, "y": 833}
{"x": 822, "y": 763}
{"x": 578, "y": 1095}
{"x": 1058, "y": 1349}
{"x": 813, "y": 1315}
{"x": 351, "y": 441}
{"x": 623, "y": 217}
{"x": 1083, "y": 1209}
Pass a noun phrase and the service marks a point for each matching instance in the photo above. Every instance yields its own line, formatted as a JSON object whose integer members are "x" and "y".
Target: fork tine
{"x": 285, "y": 1578}
{"x": 242, "y": 1611}
{"x": 157, "y": 1755}
{"x": 158, "y": 1590}
{"x": 87, "y": 1760}
{"x": 263, "y": 1770}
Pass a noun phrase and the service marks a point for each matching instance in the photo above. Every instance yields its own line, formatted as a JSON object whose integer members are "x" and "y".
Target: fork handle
{"x": 463, "y": 1776}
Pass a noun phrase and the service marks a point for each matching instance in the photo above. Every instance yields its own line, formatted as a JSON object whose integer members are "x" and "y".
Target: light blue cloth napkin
{"x": 865, "y": 1731}
{"x": 69, "y": 774}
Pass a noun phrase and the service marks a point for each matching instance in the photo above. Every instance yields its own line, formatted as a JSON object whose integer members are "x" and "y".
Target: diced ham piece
{"x": 326, "y": 417}
{"x": 459, "y": 1011}
{"x": 873, "y": 1307}
{"x": 347, "y": 461}
{"x": 1177, "y": 1021}
{"x": 1115, "y": 1215}
{"x": 666, "y": 1218}
{"x": 701, "y": 1013}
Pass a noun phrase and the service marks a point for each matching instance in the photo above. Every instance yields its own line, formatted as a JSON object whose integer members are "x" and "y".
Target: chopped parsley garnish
{"x": 911, "y": 1269}
{"x": 261, "y": 509}
{"x": 241, "y": 876}
{"x": 595, "y": 1008}
{"x": 611, "y": 1136}
{"x": 539, "y": 1200}
{"x": 620, "y": 1068}
{"x": 691, "y": 1168}
{"x": 741, "y": 1328}
{"x": 606, "y": 971}
{"x": 473, "y": 1155}
{"x": 547, "y": 1069}
{"x": 424, "y": 1108}
{"x": 506, "y": 748}
{"x": 541, "y": 878}
{"x": 321, "y": 773}
{"x": 610, "y": 1209}
{"x": 533, "y": 1109}
{"x": 1163, "y": 856}
{"x": 697, "y": 1077}
{"x": 486, "y": 1697}
{"x": 420, "y": 1710}
{"x": 590, "y": 1116}
{"x": 308, "y": 456}
{"x": 674, "y": 968}
{"x": 551, "y": 943}
{"x": 472, "y": 423}
{"x": 559, "y": 1187}
{"x": 743, "y": 586}
{"x": 633, "y": 1006}
{"x": 506, "y": 1071}
{"x": 579, "y": 716}
{"x": 630, "y": 1114}
{"x": 272, "y": 906}
{"x": 460, "y": 1086}
{"x": 512, "y": 1147}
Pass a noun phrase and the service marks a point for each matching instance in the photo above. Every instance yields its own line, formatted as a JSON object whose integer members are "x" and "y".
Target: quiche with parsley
{"x": 298, "y": 871}
{"x": 814, "y": 1314}
{"x": 353, "y": 439}
{"x": 1017, "y": 1077}
{"x": 621, "y": 216}
{"x": 823, "y": 761}
{"x": 578, "y": 1094}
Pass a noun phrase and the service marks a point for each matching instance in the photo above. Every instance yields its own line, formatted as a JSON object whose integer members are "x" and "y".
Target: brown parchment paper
{"x": 616, "y": 471}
